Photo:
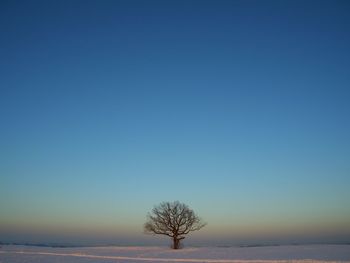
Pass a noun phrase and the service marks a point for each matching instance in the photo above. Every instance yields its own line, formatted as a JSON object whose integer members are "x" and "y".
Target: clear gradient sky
{"x": 238, "y": 108}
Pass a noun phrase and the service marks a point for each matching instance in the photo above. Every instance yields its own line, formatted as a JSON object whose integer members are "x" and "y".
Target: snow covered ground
{"x": 300, "y": 253}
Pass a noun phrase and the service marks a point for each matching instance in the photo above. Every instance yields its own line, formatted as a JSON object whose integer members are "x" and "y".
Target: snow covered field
{"x": 301, "y": 253}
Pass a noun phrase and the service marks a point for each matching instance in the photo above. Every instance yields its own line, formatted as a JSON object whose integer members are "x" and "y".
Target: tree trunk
{"x": 176, "y": 243}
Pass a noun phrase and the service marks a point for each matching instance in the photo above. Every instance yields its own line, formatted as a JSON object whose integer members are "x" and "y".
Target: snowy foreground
{"x": 274, "y": 254}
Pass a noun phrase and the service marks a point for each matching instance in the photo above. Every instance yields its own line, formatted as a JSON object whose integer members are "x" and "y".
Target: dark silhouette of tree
{"x": 172, "y": 219}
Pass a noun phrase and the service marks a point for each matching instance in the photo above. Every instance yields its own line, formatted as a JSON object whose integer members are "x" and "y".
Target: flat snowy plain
{"x": 299, "y": 253}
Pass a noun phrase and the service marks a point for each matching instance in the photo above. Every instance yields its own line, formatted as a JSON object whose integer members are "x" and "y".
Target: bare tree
{"x": 172, "y": 219}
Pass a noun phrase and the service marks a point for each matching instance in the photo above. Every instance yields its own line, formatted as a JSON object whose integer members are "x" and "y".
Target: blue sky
{"x": 238, "y": 108}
